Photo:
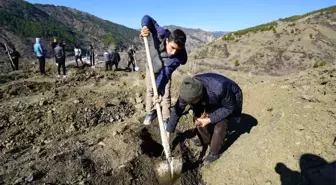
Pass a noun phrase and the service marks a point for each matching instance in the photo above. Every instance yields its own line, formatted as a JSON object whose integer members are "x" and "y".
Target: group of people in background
{"x": 111, "y": 57}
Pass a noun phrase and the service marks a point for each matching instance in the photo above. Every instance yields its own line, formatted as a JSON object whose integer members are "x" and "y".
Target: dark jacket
{"x": 115, "y": 57}
{"x": 53, "y": 45}
{"x": 222, "y": 99}
{"x": 130, "y": 53}
{"x": 59, "y": 52}
{"x": 160, "y": 34}
{"x": 15, "y": 55}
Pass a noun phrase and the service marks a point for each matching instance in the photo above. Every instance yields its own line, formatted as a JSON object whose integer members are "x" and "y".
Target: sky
{"x": 210, "y": 15}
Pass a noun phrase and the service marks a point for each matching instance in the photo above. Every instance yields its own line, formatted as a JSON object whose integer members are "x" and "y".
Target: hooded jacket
{"x": 38, "y": 48}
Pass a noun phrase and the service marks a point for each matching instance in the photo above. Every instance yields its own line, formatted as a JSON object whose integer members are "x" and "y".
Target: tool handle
{"x": 163, "y": 133}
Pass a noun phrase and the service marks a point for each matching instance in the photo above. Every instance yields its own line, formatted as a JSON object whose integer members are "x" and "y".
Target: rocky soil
{"x": 86, "y": 128}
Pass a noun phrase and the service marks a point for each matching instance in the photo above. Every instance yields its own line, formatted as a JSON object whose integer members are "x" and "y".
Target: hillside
{"x": 22, "y": 21}
{"x": 197, "y": 37}
{"x": 277, "y": 48}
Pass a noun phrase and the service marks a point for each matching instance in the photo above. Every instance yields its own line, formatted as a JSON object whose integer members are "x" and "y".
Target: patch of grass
{"x": 262, "y": 27}
{"x": 319, "y": 64}
{"x": 331, "y": 9}
{"x": 311, "y": 36}
{"x": 236, "y": 63}
{"x": 261, "y": 55}
{"x": 272, "y": 25}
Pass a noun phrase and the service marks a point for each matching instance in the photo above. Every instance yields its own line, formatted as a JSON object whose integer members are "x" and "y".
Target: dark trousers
{"x": 61, "y": 63}
{"x": 80, "y": 58}
{"x": 115, "y": 64}
{"x": 16, "y": 64}
{"x": 92, "y": 60}
{"x": 213, "y": 135}
{"x": 131, "y": 62}
{"x": 108, "y": 65}
{"x": 42, "y": 65}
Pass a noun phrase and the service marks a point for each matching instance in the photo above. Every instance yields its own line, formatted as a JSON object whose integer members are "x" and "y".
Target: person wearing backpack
{"x": 60, "y": 57}
{"x": 78, "y": 54}
{"x": 168, "y": 52}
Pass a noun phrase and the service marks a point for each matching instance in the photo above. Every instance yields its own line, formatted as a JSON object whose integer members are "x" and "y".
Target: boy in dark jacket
{"x": 214, "y": 100}
{"x": 60, "y": 58}
{"x": 115, "y": 59}
{"x": 131, "y": 53}
{"x": 167, "y": 53}
{"x": 53, "y": 46}
{"x": 92, "y": 56}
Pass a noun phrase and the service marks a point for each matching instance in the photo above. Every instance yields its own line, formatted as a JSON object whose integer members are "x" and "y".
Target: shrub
{"x": 236, "y": 63}
{"x": 261, "y": 55}
{"x": 311, "y": 36}
{"x": 319, "y": 64}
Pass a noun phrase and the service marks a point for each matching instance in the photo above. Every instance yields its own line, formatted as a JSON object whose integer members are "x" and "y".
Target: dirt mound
{"x": 79, "y": 130}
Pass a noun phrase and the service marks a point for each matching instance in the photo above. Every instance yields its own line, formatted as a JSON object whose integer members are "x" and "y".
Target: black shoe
{"x": 197, "y": 142}
{"x": 211, "y": 158}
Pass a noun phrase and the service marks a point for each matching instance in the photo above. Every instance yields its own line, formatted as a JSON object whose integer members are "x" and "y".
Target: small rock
{"x": 122, "y": 166}
{"x": 138, "y": 95}
{"x": 43, "y": 102}
{"x": 117, "y": 117}
{"x": 114, "y": 133}
{"x": 76, "y": 101}
{"x": 81, "y": 183}
{"x": 300, "y": 127}
{"x": 268, "y": 183}
{"x": 37, "y": 149}
{"x": 111, "y": 120}
{"x": 11, "y": 119}
{"x": 138, "y": 100}
{"x": 102, "y": 144}
{"x": 29, "y": 178}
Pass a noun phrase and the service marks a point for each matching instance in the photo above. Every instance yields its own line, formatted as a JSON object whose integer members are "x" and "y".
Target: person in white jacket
{"x": 78, "y": 54}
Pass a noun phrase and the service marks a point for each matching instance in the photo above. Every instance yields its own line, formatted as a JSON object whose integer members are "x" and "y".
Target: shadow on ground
{"x": 314, "y": 171}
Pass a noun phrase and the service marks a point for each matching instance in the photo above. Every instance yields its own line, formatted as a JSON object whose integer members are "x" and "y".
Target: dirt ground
{"x": 83, "y": 129}
{"x": 86, "y": 129}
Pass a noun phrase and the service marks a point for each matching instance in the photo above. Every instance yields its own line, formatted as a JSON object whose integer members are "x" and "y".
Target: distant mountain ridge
{"x": 279, "y": 47}
{"x": 197, "y": 37}
{"x": 22, "y": 21}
